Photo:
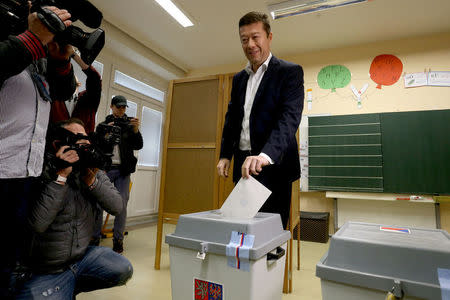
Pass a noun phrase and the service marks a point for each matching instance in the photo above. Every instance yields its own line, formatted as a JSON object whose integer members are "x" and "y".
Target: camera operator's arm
{"x": 91, "y": 96}
{"x": 135, "y": 138}
{"x": 89, "y": 99}
{"x": 60, "y": 74}
{"x": 17, "y": 52}
{"x": 106, "y": 194}
{"x": 52, "y": 198}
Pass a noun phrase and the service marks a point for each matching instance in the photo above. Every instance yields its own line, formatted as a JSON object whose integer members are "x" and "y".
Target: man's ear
{"x": 56, "y": 145}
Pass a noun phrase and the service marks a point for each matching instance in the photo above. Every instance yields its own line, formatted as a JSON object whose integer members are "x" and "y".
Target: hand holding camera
{"x": 52, "y": 20}
{"x": 70, "y": 156}
{"x": 135, "y": 122}
{"x": 40, "y": 29}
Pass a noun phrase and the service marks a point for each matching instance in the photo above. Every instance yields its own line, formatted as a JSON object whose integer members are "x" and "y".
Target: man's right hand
{"x": 40, "y": 30}
{"x": 223, "y": 166}
{"x": 76, "y": 57}
{"x": 70, "y": 156}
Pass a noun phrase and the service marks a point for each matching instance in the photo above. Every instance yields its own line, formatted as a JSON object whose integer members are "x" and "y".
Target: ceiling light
{"x": 175, "y": 12}
{"x": 298, "y": 7}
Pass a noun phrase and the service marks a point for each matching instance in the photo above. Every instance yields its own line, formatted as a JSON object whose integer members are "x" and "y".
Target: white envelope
{"x": 247, "y": 197}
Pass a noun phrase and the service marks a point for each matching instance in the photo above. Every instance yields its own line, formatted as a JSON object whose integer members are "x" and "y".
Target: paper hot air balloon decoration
{"x": 386, "y": 69}
{"x": 333, "y": 77}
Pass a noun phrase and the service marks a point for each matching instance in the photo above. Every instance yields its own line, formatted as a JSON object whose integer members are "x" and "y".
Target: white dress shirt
{"x": 253, "y": 82}
{"x": 23, "y": 125}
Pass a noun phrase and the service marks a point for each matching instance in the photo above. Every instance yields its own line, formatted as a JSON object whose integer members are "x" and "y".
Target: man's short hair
{"x": 69, "y": 121}
{"x": 255, "y": 17}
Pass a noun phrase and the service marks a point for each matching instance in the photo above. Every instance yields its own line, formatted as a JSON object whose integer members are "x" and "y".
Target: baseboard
{"x": 135, "y": 221}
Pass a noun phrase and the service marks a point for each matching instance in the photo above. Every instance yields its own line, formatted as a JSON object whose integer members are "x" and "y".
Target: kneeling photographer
{"x": 62, "y": 262}
{"x": 123, "y": 164}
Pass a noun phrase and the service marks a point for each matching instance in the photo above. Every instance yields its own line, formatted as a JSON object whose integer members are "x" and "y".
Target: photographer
{"x": 62, "y": 262}
{"x": 33, "y": 69}
{"x": 82, "y": 105}
{"x": 123, "y": 164}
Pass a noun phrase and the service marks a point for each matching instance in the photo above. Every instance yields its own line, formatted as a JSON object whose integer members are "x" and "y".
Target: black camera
{"x": 123, "y": 122}
{"x": 90, "y": 154}
{"x": 13, "y": 17}
{"x": 106, "y": 137}
{"x": 13, "y": 20}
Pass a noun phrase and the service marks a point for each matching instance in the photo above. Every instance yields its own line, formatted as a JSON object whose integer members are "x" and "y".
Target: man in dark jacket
{"x": 62, "y": 218}
{"x": 263, "y": 116}
{"x": 123, "y": 164}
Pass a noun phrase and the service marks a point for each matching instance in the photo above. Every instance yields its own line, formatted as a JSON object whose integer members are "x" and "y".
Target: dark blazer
{"x": 274, "y": 118}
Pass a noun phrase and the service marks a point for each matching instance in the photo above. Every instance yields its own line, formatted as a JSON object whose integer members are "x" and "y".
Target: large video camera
{"x": 13, "y": 21}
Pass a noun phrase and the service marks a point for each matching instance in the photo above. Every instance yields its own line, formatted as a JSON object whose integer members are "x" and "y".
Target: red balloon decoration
{"x": 386, "y": 69}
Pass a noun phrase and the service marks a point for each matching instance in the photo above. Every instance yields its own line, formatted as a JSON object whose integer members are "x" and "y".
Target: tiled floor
{"x": 148, "y": 283}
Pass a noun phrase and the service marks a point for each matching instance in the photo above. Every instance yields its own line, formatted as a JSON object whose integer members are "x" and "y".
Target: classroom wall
{"x": 112, "y": 62}
{"x": 417, "y": 54}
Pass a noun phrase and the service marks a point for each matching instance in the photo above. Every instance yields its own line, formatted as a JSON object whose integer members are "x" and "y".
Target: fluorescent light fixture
{"x": 298, "y": 7}
{"x": 175, "y": 12}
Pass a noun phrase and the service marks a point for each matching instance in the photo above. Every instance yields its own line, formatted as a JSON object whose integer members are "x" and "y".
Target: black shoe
{"x": 118, "y": 246}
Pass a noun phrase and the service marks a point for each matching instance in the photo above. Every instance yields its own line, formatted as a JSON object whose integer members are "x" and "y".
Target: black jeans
{"x": 17, "y": 194}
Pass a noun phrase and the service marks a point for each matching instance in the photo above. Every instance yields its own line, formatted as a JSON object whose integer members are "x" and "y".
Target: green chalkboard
{"x": 345, "y": 153}
{"x": 402, "y": 152}
{"x": 416, "y": 152}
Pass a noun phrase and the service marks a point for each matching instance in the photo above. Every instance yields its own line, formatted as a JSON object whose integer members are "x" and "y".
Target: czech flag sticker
{"x": 206, "y": 290}
{"x": 395, "y": 229}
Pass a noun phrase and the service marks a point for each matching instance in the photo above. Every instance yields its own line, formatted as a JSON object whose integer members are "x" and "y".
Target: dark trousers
{"x": 273, "y": 178}
{"x": 17, "y": 195}
{"x": 122, "y": 184}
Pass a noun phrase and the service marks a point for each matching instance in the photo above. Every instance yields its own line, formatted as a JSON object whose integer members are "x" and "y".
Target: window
{"x": 138, "y": 86}
{"x": 151, "y": 133}
{"x": 82, "y": 77}
{"x": 131, "y": 110}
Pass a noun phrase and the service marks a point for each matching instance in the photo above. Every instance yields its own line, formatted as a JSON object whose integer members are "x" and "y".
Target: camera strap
{"x": 40, "y": 82}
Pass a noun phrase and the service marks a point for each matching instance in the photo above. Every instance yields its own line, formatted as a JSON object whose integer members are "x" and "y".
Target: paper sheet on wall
{"x": 439, "y": 78}
{"x": 309, "y": 98}
{"x": 415, "y": 80}
{"x": 245, "y": 200}
{"x": 303, "y": 134}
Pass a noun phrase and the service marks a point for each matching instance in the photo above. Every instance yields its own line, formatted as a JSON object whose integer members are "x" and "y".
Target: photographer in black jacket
{"x": 123, "y": 164}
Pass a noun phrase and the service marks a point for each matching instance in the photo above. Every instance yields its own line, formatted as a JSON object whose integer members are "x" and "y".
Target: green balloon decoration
{"x": 333, "y": 77}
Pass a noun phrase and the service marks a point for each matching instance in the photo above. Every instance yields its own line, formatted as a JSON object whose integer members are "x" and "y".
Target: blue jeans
{"x": 122, "y": 184}
{"x": 100, "y": 268}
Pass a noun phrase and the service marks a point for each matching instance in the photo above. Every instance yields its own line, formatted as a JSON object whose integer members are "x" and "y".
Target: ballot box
{"x": 372, "y": 261}
{"x": 213, "y": 257}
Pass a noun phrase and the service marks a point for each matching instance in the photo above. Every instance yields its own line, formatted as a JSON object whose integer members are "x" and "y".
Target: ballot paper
{"x": 247, "y": 197}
